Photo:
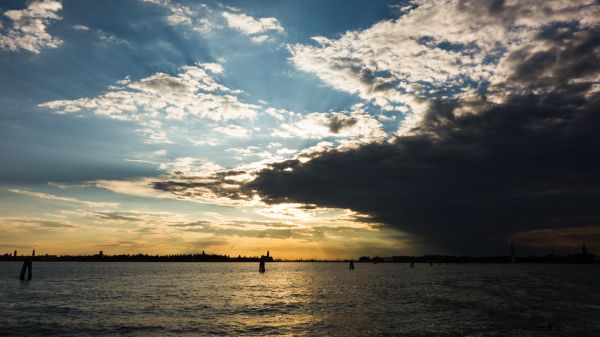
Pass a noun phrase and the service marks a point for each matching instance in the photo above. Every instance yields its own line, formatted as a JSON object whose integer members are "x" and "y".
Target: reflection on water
{"x": 300, "y": 299}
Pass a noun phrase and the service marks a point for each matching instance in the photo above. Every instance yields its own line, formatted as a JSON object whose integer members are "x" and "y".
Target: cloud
{"x": 477, "y": 171}
{"x": 27, "y": 29}
{"x": 136, "y": 187}
{"x": 63, "y": 185}
{"x": 137, "y": 218}
{"x": 180, "y": 15}
{"x": 111, "y": 39}
{"x": 103, "y": 36}
{"x": 234, "y": 131}
{"x": 52, "y": 197}
{"x": 32, "y": 223}
{"x": 259, "y": 29}
{"x": 191, "y": 167}
{"x": 188, "y": 179}
{"x": 274, "y": 230}
{"x": 356, "y": 124}
{"x": 438, "y": 49}
{"x": 153, "y": 133}
{"x": 260, "y": 38}
{"x": 208, "y": 190}
{"x": 214, "y": 68}
{"x": 192, "y": 93}
{"x": 81, "y": 27}
{"x": 560, "y": 57}
{"x": 566, "y": 239}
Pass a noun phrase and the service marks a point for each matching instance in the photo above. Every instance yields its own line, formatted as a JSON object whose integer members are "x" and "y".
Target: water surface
{"x": 158, "y": 299}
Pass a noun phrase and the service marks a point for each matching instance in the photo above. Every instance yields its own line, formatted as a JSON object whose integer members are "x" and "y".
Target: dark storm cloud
{"x": 365, "y": 76}
{"x": 571, "y": 53}
{"x": 523, "y": 165}
{"x": 220, "y": 183}
{"x": 468, "y": 183}
{"x": 336, "y": 123}
{"x": 569, "y": 239}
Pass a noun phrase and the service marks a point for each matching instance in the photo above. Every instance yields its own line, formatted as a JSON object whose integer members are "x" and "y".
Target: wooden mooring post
{"x": 27, "y": 267}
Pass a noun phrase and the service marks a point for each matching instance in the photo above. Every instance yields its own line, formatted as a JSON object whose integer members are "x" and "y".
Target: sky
{"x": 313, "y": 129}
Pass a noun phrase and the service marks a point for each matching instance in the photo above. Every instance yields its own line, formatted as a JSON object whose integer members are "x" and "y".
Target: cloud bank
{"x": 499, "y": 139}
{"x": 507, "y": 155}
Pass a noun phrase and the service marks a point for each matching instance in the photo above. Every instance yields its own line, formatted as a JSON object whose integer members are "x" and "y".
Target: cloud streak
{"x": 53, "y": 197}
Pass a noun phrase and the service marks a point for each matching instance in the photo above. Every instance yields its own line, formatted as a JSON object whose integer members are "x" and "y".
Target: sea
{"x": 299, "y": 299}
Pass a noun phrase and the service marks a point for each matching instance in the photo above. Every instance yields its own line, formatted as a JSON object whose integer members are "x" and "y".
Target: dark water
{"x": 164, "y": 299}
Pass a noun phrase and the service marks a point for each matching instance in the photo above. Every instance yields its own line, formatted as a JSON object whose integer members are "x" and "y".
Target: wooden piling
{"x": 23, "y": 270}
{"x": 261, "y": 267}
{"x": 351, "y": 265}
{"x": 27, "y": 267}
{"x": 30, "y": 271}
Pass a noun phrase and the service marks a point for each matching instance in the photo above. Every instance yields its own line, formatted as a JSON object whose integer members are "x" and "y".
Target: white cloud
{"x": 63, "y": 185}
{"x": 111, "y": 39}
{"x": 356, "y": 125}
{"x": 234, "y": 131}
{"x": 214, "y": 68}
{"x": 258, "y": 28}
{"x": 153, "y": 133}
{"x": 52, "y": 197}
{"x": 27, "y": 29}
{"x": 191, "y": 167}
{"x": 136, "y": 187}
{"x": 280, "y": 114}
{"x": 81, "y": 27}
{"x": 194, "y": 92}
{"x": 260, "y": 38}
{"x": 199, "y": 18}
{"x": 440, "y": 44}
{"x": 180, "y": 15}
{"x": 286, "y": 151}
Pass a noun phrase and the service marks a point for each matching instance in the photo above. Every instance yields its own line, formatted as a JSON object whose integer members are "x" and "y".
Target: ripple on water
{"x": 164, "y": 299}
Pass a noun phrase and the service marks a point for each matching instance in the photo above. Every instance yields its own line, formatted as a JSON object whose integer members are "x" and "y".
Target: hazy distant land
{"x": 203, "y": 257}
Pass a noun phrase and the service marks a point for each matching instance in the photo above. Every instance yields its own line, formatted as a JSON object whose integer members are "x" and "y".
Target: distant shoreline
{"x": 428, "y": 259}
